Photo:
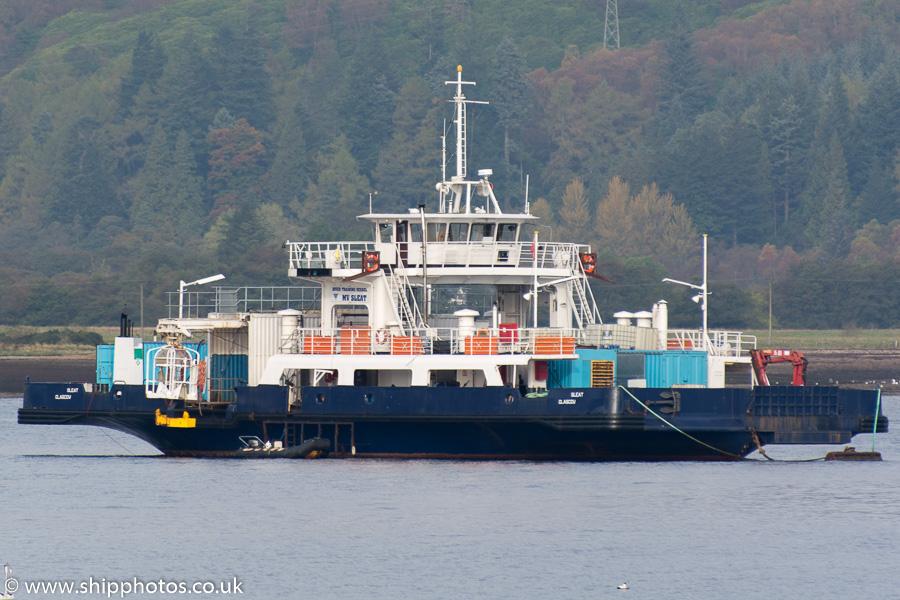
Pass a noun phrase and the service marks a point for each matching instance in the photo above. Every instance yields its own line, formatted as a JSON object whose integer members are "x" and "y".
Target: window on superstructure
{"x": 506, "y": 232}
{"x": 459, "y": 232}
{"x": 437, "y": 232}
{"x": 416, "y": 232}
{"x": 480, "y": 231}
{"x": 384, "y": 232}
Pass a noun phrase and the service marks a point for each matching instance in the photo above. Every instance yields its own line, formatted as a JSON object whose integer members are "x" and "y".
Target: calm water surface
{"x": 82, "y": 502}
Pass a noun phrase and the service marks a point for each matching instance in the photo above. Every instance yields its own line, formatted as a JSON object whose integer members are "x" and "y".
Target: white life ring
{"x": 381, "y": 336}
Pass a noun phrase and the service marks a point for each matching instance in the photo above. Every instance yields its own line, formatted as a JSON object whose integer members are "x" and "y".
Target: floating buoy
{"x": 850, "y": 453}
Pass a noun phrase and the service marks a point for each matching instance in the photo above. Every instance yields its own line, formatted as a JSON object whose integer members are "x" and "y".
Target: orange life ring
{"x": 380, "y": 336}
{"x": 371, "y": 261}
{"x": 484, "y": 333}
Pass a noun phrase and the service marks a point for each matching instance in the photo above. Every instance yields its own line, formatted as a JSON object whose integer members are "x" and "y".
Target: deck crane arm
{"x": 763, "y": 358}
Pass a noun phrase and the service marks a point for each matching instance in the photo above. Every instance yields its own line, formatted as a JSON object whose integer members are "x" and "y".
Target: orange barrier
{"x": 318, "y": 344}
{"x": 554, "y": 345}
{"x": 679, "y": 345}
{"x": 356, "y": 340}
{"x": 406, "y": 345}
{"x": 480, "y": 345}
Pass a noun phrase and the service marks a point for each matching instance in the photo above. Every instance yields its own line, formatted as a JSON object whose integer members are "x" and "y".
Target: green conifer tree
{"x": 147, "y": 63}
{"x": 512, "y": 95}
{"x": 832, "y": 227}
{"x": 290, "y": 165}
{"x": 408, "y": 166}
{"x": 242, "y": 81}
{"x": 682, "y": 92}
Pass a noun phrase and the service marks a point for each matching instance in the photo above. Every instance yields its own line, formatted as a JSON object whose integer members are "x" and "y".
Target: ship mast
{"x": 460, "y": 100}
{"x": 458, "y": 185}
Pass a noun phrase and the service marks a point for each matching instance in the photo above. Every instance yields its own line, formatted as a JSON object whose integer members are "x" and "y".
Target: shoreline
{"x": 852, "y": 368}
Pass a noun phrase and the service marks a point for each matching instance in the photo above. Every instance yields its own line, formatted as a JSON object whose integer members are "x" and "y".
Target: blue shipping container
{"x": 576, "y": 373}
{"x": 674, "y": 368}
{"x": 225, "y": 372}
{"x": 105, "y": 364}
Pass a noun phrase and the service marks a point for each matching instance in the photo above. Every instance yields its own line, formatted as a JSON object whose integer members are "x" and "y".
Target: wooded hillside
{"x": 148, "y": 141}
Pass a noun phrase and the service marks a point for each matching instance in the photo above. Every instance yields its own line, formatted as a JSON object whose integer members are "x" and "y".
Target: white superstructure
{"x": 378, "y": 323}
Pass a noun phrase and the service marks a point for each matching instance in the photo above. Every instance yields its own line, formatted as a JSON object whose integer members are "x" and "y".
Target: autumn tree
{"x": 307, "y": 24}
{"x": 575, "y": 212}
{"x": 590, "y": 136}
{"x": 646, "y": 224}
{"x": 543, "y": 211}
{"x": 236, "y": 162}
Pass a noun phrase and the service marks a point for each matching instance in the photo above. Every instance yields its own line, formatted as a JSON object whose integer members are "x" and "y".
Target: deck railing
{"x": 245, "y": 299}
{"x": 721, "y": 343}
{"x": 328, "y": 255}
{"x": 503, "y": 340}
{"x": 348, "y": 255}
{"x": 486, "y": 341}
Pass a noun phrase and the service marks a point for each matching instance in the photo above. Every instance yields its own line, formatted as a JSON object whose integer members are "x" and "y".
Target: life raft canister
{"x": 371, "y": 261}
{"x": 588, "y": 262}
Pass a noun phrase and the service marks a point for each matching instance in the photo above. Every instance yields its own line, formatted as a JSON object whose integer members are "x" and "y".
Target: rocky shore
{"x": 850, "y": 368}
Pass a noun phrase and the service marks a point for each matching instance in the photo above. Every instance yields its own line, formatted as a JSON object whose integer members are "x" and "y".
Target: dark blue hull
{"x": 480, "y": 423}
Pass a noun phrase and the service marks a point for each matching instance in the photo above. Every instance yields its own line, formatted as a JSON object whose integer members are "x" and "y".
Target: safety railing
{"x": 244, "y": 299}
{"x": 485, "y": 341}
{"x": 721, "y": 343}
{"x": 348, "y": 255}
{"x": 328, "y": 255}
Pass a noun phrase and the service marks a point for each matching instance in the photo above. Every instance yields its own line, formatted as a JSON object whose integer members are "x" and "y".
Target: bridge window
{"x": 459, "y": 232}
{"x": 384, "y": 232}
{"x": 506, "y": 232}
{"x": 437, "y": 232}
{"x": 444, "y": 232}
{"x": 416, "y": 232}
{"x": 481, "y": 231}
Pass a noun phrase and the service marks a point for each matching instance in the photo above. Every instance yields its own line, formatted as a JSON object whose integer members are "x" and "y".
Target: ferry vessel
{"x": 451, "y": 334}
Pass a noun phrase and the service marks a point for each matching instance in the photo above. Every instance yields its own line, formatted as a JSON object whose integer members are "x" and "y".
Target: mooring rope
{"x": 875, "y": 424}
{"x": 106, "y": 433}
{"x": 684, "y": 433}
{"x": 719, "y": 450}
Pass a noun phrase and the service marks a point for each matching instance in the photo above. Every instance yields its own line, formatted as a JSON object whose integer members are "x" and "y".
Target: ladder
{"x": 406, "y": 309}
{"x": 584, "y": 306}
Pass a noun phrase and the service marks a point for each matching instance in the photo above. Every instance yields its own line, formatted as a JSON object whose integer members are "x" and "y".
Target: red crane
{"x": 762, "y": 358}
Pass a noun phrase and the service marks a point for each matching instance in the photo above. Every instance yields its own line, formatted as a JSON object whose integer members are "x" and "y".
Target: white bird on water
{"x": 624, "y": 586}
